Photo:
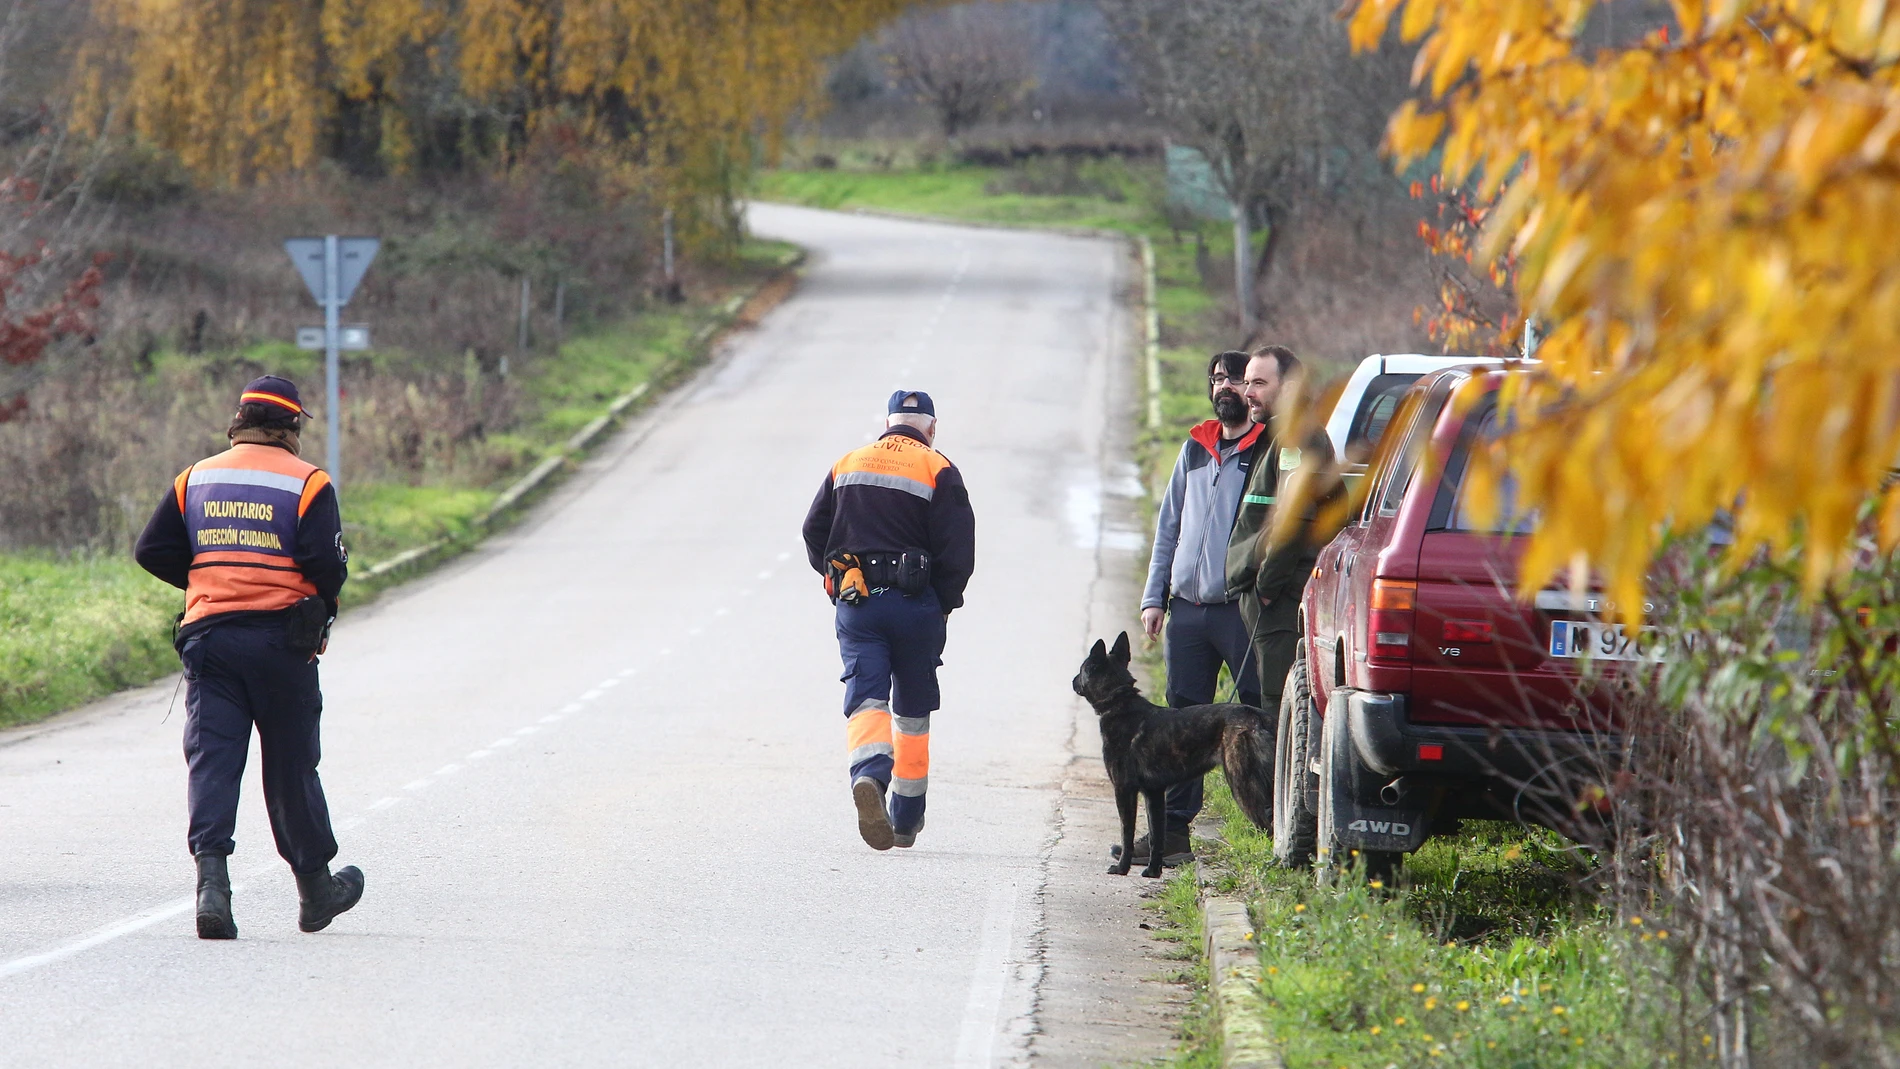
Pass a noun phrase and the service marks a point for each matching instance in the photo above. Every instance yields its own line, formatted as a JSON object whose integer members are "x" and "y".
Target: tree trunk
{"x": 1243, "y": 267}
{"x": 1263, "y": 266}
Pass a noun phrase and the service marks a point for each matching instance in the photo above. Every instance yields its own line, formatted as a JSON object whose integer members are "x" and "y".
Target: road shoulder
{"x": 1108, "y": 992}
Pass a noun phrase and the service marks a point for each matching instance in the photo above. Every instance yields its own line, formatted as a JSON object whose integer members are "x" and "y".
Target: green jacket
{"x": 1278, "y": 575}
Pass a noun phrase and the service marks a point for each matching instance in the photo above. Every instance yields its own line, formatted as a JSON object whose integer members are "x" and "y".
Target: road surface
{"x": 595, "y": 770}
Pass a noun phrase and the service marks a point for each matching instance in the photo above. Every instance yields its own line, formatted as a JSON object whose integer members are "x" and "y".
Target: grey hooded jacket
{"x": 1196, "y": 518}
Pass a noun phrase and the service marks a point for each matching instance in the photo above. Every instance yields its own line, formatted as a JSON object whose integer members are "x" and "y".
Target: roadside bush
{"x": 1761, "y": 813}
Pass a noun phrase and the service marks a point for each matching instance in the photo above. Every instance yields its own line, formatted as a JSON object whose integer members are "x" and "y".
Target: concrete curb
{"x": 1152, "y": 320}
{"x": 583, "y": 440}
{"x": 1233, "y": 983}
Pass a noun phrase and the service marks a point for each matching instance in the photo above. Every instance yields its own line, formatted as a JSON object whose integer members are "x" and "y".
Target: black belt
{"x": 907, "y": 570}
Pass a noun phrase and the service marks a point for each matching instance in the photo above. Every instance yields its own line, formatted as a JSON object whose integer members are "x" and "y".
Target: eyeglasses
{"x": 1218, "y": 381}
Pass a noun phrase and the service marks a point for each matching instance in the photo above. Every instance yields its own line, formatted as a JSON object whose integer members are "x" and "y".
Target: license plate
{"x": 1599, "y": 641}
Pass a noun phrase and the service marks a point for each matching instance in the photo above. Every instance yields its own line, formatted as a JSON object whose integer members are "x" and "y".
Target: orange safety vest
{"x": 895, "y": 462}
{"x": 242, "y": 509}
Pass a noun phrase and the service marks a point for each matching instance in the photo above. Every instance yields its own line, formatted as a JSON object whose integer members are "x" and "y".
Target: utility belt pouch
{"x": 306, "y": 626}
{"x": 844, "y": 579}
{"x": 913, "y": 572}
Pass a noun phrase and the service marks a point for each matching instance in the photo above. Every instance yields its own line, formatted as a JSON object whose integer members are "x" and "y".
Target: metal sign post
{"x": 332, "y": 267}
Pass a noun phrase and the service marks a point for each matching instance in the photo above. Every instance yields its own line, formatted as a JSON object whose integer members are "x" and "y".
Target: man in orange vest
{"x": 254, "y": 538}
{"x": 892, "y": 533}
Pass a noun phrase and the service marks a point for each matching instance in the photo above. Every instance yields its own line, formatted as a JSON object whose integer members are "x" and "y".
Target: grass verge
{"x": 75, "y": 628}
{"x": 1485, "y": 956}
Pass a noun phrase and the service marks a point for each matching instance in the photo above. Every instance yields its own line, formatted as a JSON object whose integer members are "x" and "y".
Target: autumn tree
{"x": 1706, "y": 219}
{"x": 1268, "y": 92}
{"x": 683, "y": 93}
{"x": 965, "y": 63}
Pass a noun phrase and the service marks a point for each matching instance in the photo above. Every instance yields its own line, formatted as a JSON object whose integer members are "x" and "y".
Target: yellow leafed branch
{"x": 1708, "y": 217}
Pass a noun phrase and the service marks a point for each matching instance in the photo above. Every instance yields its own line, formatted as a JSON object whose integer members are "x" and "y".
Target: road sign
{"x": 353, "y": 258}
{"x": 332, "y": 266}
{"x": 351, "y": 337}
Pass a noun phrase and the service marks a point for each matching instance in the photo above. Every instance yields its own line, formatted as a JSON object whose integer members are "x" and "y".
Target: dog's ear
{"x": 1099, "y": 653}
{"x": 1120, "y": 653}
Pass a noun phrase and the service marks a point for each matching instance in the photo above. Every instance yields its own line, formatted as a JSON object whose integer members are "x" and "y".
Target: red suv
{"x": 1423, "y": 690}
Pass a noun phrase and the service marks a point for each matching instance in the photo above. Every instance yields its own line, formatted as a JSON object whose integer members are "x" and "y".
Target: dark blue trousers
{"x": 238, "y": 675}
{"x": 1202, "y": 638}
{"x": 891, "y": 646}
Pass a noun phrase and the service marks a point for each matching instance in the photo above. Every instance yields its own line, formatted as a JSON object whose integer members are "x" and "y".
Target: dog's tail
{"x": 1247, "y": 758}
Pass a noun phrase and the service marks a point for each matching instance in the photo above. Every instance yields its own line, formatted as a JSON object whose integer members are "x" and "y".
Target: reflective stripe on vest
{"x": 241, "y": 510}
{"x": 896, "y": 462}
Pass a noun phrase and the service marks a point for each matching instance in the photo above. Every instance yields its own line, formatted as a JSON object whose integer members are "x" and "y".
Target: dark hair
{"x": 1232, "y": 362}
{"x": 1282, "y": 356}
{"x": 262, "y": 415}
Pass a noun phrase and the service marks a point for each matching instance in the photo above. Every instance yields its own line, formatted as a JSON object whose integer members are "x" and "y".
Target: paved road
{"x": 595, "y": 770}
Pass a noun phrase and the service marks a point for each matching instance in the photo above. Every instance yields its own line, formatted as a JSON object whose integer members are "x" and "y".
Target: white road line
{"x": 551, "y": 718}
{"x": 448, "y": 770}
{"x": 99, "y": 935}
{"x": 135, "y": 922}
{"x": 691, "y": 631}
{"x": 766, "y": 574}
{"x": 347, "y": 824}
{"x": 785, "y": 556}
{"x": 605, "y": 683}
{"x": 625, "y": 672}
{"x": 529, "y": 730}
{"x": 592, "y": 694}
{"x": 572, "y": 707}
{"x": 499, "y": 743}
{"x": 976, "y": 1040}
{"x": 479, "y": 754}
{"x": 746, "y": 593}
{"x": 416, "y": 784}
{"x": 721, "y": 612}
{"x": 384, "y": 803}
{"x": 667, "y": 652}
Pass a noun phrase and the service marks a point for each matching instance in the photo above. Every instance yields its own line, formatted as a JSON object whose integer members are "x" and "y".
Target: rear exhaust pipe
{"x": 1392, "y": 792}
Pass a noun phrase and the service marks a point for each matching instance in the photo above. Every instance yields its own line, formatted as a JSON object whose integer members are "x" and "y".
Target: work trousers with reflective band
{"x": 891, "y": 646}
{"x": 238, "y": 675}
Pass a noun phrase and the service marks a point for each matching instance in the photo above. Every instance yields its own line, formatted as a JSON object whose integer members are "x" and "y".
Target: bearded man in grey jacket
{"x": 1187, "y": 577}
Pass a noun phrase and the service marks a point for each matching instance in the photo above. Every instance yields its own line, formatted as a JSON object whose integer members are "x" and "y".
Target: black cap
{"x": 273, "y": 390}
{"x": 915, "y": 402}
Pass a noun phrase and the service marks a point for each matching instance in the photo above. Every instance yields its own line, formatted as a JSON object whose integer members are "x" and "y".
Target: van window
{"x": 1376, "y": 408}
{"x": 1453, "y": 512}
{"x": 1401, "y": 462}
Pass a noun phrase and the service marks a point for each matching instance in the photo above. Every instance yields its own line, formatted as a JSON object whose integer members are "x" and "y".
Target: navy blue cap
{"x": 915, "y": 402}
{"x": 273, "y": 390}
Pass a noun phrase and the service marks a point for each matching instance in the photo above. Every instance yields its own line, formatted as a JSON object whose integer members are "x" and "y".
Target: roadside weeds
{"x": 75, "y": 629}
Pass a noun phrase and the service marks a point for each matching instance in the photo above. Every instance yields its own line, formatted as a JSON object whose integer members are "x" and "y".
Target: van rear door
{"x": 1481, "y": 656}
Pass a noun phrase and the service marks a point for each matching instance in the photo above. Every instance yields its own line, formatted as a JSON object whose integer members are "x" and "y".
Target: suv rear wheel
{"x": 1339, "y": 772}
{"x": 1295, "y": 788}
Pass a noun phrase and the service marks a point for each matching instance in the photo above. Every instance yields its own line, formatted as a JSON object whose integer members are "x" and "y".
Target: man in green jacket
{"x": 1268, "y": 580}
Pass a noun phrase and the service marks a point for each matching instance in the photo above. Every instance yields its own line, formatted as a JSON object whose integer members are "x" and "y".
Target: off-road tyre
{"x": 1295, "y": 788}
{"x": 1339, "y": 767}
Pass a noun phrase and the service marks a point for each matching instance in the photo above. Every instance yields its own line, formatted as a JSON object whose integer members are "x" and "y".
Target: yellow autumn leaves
{"x": 246, "y": 88}
{"x": 1706, "y": 215}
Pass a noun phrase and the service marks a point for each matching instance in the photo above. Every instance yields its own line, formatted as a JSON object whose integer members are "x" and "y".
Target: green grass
{"x": 75, "y": 629}
{"x": 72, "y": 629}
{"x": 975, "y": 194}
{"x": 1484, "y": 957}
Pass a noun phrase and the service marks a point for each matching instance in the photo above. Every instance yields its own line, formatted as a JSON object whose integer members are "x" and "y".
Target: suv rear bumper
{"x": 1392, "y": 746}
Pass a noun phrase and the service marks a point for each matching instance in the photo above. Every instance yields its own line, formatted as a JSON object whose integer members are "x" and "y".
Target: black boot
{"x": 214, "y": 898}
{"x": 324, "y": 896}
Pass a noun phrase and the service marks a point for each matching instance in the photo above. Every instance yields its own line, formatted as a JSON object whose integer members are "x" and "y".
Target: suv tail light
{"x": 1390, "y": 618}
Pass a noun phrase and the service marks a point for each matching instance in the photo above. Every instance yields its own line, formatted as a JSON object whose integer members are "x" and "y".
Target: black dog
{"x": 1148, "y": 748}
